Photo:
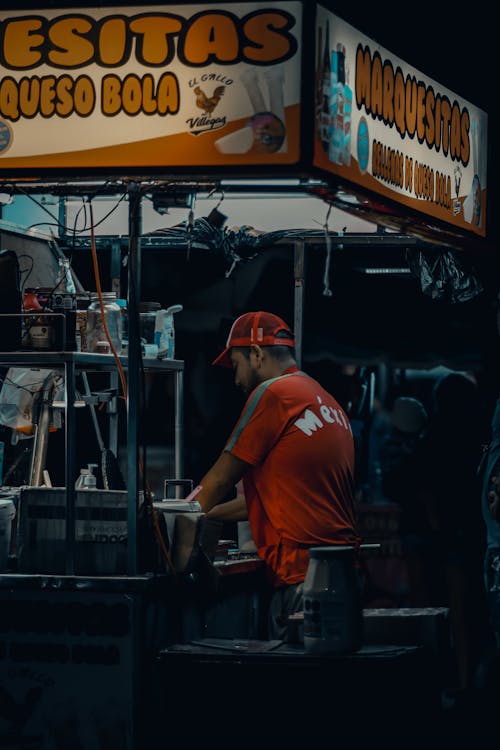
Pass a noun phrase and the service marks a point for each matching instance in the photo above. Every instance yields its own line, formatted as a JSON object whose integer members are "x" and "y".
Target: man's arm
{"x": 217, "y": 482}
{"x": 233, "y": 510}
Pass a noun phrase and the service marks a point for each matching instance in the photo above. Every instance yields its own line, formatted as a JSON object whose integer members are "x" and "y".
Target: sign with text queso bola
{"x": 387, "y": 127}
{"x": 150, "y": 86}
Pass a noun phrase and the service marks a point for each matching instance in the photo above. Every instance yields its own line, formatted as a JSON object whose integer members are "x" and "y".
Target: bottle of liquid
{"x": 165, "y": 332}
{"x": 64, "y": 279}
{"x": 336, "y": 145}
{"x": 346, "y": 154}
{"x": 325, "y": 86}
{"x": 95, "y": 326}
{"x": 63, "y": 303}
{"x": 87, "y": 478}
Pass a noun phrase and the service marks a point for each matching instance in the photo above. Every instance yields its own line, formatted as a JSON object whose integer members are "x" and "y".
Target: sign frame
{"x": 405, "y": 177}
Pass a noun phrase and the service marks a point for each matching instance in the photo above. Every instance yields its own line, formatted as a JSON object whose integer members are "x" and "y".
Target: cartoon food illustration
{"x": 265, "y": 132}
{"x": 269, "y": 132}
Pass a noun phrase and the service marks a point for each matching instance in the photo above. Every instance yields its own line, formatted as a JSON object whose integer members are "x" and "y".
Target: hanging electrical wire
{"x": 327, "y": 292}
{"x": 148, "y": 495}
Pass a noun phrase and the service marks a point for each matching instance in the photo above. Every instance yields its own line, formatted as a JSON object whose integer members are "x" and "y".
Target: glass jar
{"x": 82, "y": 303}
{"x": 37, "y": 329}
{"x": 95, "y": 326}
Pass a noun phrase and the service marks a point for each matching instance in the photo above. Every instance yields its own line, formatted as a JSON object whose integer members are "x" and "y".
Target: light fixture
{"x": 162, "y": 201}
{"x": 387, "y": 271}
{"x": 253, "y": 183}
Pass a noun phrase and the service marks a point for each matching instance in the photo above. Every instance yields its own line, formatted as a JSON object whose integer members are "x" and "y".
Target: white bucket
{"x": 7, "y": 513}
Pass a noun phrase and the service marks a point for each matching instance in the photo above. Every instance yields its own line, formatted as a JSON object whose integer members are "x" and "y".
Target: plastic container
{"x": 147, "y": 319}
{"x": 95, "y": 325}
{"x": 87, "y": 479}
{"x": 164, "y": 332}
{"x": 333, "y": 609}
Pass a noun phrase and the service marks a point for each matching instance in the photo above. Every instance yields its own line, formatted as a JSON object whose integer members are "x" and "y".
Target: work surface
{"x": 288, "y": 691}
{"x": 226, "y": 649}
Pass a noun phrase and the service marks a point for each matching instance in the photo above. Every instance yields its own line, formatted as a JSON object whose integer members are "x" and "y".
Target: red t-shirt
{"x": 300, "y": 489}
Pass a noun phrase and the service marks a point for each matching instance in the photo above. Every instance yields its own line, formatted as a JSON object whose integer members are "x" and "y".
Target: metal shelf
{"x": 86, "y": 361}
{"x": 71, "y": 363}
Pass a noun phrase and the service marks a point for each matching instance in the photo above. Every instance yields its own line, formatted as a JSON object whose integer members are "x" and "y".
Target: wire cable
{"x": 148, "y": 493}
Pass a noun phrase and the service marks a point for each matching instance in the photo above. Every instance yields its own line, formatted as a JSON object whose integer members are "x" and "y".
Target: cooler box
{"x": 100, "y": 531}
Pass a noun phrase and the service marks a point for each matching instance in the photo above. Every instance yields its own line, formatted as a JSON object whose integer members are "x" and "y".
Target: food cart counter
{"x": 277, "y": 691}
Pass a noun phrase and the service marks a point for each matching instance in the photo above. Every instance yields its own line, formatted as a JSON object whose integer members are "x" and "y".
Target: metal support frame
{"x": 134, "y": 356}
{"x": 299, "y": 279}
{"x": 70, "y": 428}
{"x": 179, "y": 425}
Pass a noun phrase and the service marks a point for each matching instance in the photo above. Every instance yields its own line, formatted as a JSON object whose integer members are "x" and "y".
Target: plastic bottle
{"x": 64, "y": 279}
{"x": 95, "y": 326}
{"x": 326, "y": 84}
{"x": 87, "y": 479}
{"x": 336, "y": 145}
{"x": 346, "y": 157}
{"x": 165, "y": 332}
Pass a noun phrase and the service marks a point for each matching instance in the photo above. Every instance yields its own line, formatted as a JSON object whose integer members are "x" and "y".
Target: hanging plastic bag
{"x": 442, "y": 276}
{"x": 20, "y": 388}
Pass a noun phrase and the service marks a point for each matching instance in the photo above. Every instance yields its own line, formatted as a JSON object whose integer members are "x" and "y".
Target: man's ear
{"x": 257, "y": 351}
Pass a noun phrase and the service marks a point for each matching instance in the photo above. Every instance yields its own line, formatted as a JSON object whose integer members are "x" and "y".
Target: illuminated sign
{"x": 150, "y": 86}
{"x": 387, "y": 127}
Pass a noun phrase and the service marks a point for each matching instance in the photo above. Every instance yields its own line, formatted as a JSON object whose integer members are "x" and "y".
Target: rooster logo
{"x": 208, "y": 103}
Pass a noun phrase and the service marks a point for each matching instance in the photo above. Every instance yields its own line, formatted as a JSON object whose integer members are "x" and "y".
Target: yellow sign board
{"x": 160, "y": 86}
{"x": 385, "y": 126}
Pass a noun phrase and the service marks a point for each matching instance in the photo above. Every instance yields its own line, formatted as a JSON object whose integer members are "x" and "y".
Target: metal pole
{"x": 70, "y": 378}
{"x": 298, "y": 274}
{"x": 179, "y": 422}
{"x": 134, "y": 358}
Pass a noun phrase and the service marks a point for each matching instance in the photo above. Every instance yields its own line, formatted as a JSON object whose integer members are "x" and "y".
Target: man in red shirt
{"x": 293, "y": 448}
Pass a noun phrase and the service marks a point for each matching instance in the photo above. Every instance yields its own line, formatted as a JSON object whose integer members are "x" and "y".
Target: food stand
{"x": 161, "y": 102}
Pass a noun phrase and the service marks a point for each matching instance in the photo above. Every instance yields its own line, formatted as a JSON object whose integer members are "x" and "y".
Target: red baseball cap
{"x": 260, "y": 328}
